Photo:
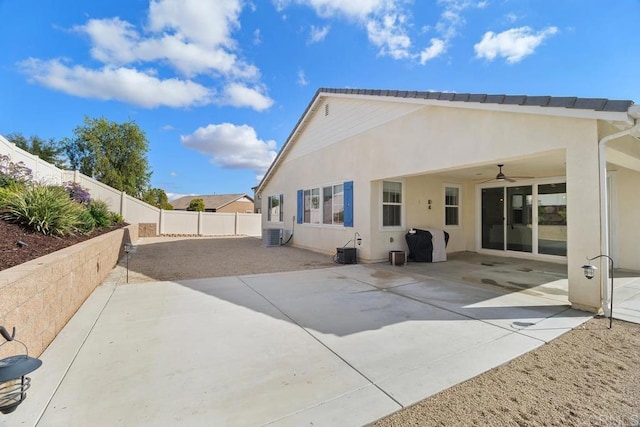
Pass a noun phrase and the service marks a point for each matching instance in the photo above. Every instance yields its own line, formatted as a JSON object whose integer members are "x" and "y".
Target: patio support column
{"x": 583, "y": 222}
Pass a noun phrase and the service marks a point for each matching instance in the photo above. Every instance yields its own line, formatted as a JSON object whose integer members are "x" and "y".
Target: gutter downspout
{"x": 604, "y": 203}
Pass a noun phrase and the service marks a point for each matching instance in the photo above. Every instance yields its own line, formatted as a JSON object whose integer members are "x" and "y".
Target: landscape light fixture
{"x": 13, "y": 382}
{"x": 127, "y": 249}
{"x": 590, "y": 271}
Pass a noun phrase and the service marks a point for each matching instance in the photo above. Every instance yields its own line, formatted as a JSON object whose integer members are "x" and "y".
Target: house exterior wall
{"x": 583, "y": 215}
{"x": 368, "y": 142}
{"x": 627, "y": 215}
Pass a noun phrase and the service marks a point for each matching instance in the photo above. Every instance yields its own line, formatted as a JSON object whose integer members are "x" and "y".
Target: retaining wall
{"x": 40, "y": 296}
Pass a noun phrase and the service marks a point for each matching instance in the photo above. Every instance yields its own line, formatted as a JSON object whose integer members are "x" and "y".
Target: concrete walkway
{"x": 337, "y": 346}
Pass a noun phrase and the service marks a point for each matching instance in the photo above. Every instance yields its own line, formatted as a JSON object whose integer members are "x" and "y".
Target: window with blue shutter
{"x": 348, "y": 204}
{"x": 300, "y": 206}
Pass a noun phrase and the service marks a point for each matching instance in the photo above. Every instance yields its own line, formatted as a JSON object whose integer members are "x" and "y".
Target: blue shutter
{"x": 348, "y": 204}
{"x": 300, "y": 206}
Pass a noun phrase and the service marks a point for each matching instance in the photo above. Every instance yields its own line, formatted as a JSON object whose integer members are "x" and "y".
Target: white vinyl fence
{"x": 137, "y": 211}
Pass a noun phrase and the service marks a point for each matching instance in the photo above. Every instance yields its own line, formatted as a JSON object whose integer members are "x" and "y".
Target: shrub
{"x": 13, "y": 173}
{"x": 116, "y": 218}
{"x": 78, "y": 193}
{"x": 196, "y": 205}
{"x": 8, "y": 191}
{"x": 100, "y": 213}
{"x": 85, "y": 222}
{"x": 47, "y": 209}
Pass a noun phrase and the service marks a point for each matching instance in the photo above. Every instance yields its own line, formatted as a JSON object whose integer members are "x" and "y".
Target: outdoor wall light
{"x": 357, "y": 239}
{"x": 590, "y": 271}
{"x": 13, "y": 382}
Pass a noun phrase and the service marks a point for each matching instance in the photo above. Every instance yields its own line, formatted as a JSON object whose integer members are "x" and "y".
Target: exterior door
{"x": 519, "y": 218}
{"x": 493, "y": 218}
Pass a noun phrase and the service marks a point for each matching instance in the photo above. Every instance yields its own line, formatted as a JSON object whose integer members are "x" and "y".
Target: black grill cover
{"x": 421, "y": 245}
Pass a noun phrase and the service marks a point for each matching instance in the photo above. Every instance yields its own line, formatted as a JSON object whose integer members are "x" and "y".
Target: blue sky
{"x": 217, "y": 85}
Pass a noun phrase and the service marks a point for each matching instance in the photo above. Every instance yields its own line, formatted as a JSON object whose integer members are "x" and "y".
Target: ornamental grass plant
{"x": 55, "y": 210}
{"x": 47, "y": 209}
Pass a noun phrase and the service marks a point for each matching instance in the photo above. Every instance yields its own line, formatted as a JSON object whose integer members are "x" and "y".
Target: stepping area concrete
{"x": 345, "y": 345}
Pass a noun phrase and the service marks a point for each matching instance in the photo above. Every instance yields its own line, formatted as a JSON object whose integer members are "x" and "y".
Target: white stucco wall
{"x": 627, "y": 215}
{"x": 405, "y": 142}
{"x": 583, "y": 215}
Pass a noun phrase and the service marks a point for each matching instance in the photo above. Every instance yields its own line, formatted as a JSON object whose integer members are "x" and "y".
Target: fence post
{"x": 199, "y": 223}
{"x": 161, "y": 222}
{"x": 237, "y": 224}
{"x": 76, "y": 176}
{"x": 123, "y": 204}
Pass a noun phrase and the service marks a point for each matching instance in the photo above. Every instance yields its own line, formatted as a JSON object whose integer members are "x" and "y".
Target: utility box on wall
{"x": 346, "y": 255}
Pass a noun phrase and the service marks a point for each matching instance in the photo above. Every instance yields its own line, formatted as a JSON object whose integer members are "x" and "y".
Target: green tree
{"x": 196, "y": 205}
{"x": 156, "y": 197}
{"x": 113, "y": 153}
{"x": 48, "y": 150}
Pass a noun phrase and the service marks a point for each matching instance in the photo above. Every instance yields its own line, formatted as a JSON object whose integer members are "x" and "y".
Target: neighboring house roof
{"x": 602, "y": 107}
{"x": 216, "y": 201}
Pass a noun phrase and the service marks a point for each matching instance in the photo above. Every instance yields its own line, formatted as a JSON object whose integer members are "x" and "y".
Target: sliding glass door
{"x": 519, "y": 225}
{"x": 552, "y": 219}
{"x": 507, "y": 226}
{"x": 493, "y": 218}
{"x": 510, "y": 223}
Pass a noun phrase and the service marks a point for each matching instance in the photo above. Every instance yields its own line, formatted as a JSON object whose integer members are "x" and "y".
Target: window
{"x": 391, "y": 204}
{"x": 307, "y": 207}
{"x": 452, "y": 206}
{"x": 333, "y": 205}
{"x": 330, "y": 205}
{"x": 275, "y": 211}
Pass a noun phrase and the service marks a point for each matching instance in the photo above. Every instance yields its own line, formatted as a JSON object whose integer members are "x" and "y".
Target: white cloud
{"x": 239, "y": 95}
{"x": 168, "y": 128}
{"x": 209, "y": 23}
{"x": 317, "y": 34}
{"x": 389, "y": 36}
{"x": 185, "y": 46}
{"x": 511, "y": 17}
{"x": 436, "y": 49}
{"x": 173, "y": 174}
{"x": 232, "y": 146}
{"x": 358, "y": 9}
{"x": 388, "y": 23}
{"x": 257, "y": 37}
{"x": 513, "y": 44}
{"x": 302, "y": 79}
{"x": 174, "y": 40}
{"x": 117, "y": 83}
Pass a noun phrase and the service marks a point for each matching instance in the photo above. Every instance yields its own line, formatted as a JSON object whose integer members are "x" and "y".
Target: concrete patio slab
{"x": 344, "y": 345}
{"x": 626, "y": 299}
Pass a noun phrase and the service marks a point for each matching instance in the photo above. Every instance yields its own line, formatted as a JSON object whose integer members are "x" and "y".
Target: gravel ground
{"x": 181, "y": 258}
{"x": 589, "y": 376}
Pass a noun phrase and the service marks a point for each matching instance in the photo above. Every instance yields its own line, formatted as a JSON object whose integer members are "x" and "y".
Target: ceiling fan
{"x": 502, "y": 177}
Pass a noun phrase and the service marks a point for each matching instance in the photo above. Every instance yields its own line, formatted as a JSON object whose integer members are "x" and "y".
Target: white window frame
{"x": 280, "y": 198}
{"x": 445, "y": 206}
{"x": 318, "y": 213}
{"x": 401, "y": 204}
{"x": 335, "y": 208}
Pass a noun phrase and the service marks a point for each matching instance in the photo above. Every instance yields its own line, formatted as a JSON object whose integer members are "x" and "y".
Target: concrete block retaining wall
{"x": 40, "y": 296}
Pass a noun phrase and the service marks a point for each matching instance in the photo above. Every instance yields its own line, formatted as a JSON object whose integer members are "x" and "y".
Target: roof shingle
{"x": 596, "y": 104}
